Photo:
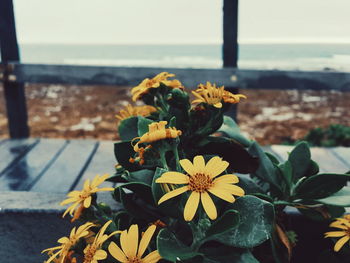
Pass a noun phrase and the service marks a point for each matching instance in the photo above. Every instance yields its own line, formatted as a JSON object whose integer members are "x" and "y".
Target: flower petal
{"x": 172, "y": 194}
{"x": 227, "y": 178}
{"x": 100, "y": 254}
{"x": 199, "y": 164}
{"x": 216, "y": 166}
{"x": 173, "y": 178}
{"x": 87, "y": 202}
{"x": 146, "y": 238}
{"x": 187, "y": 166}
{"x": 116, "y": 252}
{"x": 335, "y": 234}
{"x": 133, "y": 240}
{"x": 209, "y": 206}
{"x": 225, "y": 195}
{"x": 341, "y": 243}
{"x": 152, "y": 257}
{"x": 191, "y": 206}
{"x": 124, "y": 243}
{"x": 232, "y": 189}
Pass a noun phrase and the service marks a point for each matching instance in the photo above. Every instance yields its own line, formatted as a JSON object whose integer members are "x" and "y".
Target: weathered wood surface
{"x": 67, "y": 168}
{"x": 59, "y": 166}
{"x": 325, "y": 157}
{"x": 131, "y": 76}
{"x": 13, "y": 91}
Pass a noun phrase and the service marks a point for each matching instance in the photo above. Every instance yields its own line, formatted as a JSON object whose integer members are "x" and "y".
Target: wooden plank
{"x": 69, "y": 165}
{"x": 230, "y": 45}
{"x": 117, "y": 76}
{"x": 131, "y": 76}
{"x": 14, "y": 92}
{"x": 102, "y": 162}
{"x": 11, "y": 151}
{"x": 29, "y": 169}
{"x": 325, "y": 158}
{"x": 343, "y": 154}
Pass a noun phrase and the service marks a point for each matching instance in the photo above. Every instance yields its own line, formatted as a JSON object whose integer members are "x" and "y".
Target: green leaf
{"x": 123, "y": 151}
{"x": 127, "y": 129}
{"x": 255, "y": 225}
{"x": 226, "y": 222}
{"x": 169, "y": 207}
{"x": 300, "y": 158}
{"x": 172, "y": 122}
{"x": 318, "y": 214}
{"x": 320, "y": 186}
{"x": 231, "y": 151}
{"x": 141, "y": 190}
{"x": 142, "y": 125}
{"x": 287, "y": 173}
{"x": 226, "y": 254}
{"x": 272, "y": 158}
{"x": 230, "y": 128}
{"x": 170, "y": 248}
{"x": 340, "y": 198}
{"x": 249, "y": 186}
{"x": 144, "y": 176}
{"x": 266, "y": 170}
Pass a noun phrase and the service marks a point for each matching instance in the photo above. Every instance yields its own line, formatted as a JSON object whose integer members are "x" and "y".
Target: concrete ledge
{"x": 31, "y": 222}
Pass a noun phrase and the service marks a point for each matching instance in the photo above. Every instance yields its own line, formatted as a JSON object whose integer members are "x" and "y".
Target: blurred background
{"x": 273, "y": 34}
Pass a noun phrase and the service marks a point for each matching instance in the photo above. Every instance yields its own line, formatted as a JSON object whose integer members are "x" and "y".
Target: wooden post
{"x": 14, "y": 92}
{"x": 230, "y": 44}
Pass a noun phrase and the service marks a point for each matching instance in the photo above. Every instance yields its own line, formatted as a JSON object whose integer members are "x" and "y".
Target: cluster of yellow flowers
{"x": 344, "y": 225}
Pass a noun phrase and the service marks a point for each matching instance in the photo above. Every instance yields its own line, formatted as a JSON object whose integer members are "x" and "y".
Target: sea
{"x": 251, "y": 56}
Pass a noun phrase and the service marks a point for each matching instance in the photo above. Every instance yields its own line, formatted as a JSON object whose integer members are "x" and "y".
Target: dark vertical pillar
{"x": 14, "y": 92}
{"x": 230, "y": 44}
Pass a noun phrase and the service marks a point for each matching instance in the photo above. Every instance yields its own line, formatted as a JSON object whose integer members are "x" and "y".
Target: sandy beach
{"x": 58, "y": 111}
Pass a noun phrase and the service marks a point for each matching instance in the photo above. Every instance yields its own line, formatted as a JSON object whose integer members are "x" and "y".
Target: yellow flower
{"x": 213, "y": 95}
{"x": 131, "y": 111}
{"x": 67, "y": 243}
{"x": 93, "y": 251}
{"x": 131, "y": 250}
{"x": 82, "y": 199}
{"x": 201, "y": 179}
{"x": 344, "y": 225}
{"x": 156, "y": 132}
{"x": 143, "y": 88}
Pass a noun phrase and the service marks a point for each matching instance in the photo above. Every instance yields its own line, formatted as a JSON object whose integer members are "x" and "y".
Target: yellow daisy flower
{"x": 202, "y": 179}
{"x": 213, "y": 95}
{"x": 344, "y": 225}
{"x": 131, "y": 250}
{"x": 93, "y": 251}
{"x": 67, "y": 243}
{"x": 143, "y": 88}
{"x": 82, "y": 199}
{"x": 131, "y": 111}
{"x": 156, "y": 132}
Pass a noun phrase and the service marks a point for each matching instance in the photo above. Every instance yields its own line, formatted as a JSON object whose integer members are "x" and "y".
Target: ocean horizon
{"x": 283, "y": 56}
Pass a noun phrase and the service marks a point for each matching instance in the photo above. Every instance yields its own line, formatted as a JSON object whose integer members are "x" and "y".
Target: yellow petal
{"x": 116, "y": 252}
{"x": 199, "y": 164}
{"x": 69, "y": 200}
{"x": 172, "y": 194}
{"x": 87, "y": 202}
{"x": 173, "y": 178}
{"x": 209, "y": 206}
{"x": 152, "y": 257}
{"x": 187, "y": 166}
{"x": 133, "y": 240}
{"x": 124, "y": 243}
{"x": 100, "y": 254}
{"x": 340, "y": 243}
{"x": 191, "y": 206}
{"x": 74, "y": 193}
{"x": 227, "y": 178}
{"x": 86, "y": 184}
{"x": 63, "y": 240}
{"x": 222, "y": 194}
{"x": 216, "y": 166}
{"x": 233, "y": 189}
{"x": 335, "y": 234}
{"x": 146, "y": 238}
{"x": 218, "y": 105}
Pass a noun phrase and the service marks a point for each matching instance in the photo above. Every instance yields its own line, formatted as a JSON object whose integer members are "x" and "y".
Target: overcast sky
{"x": 179, "y": 21}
